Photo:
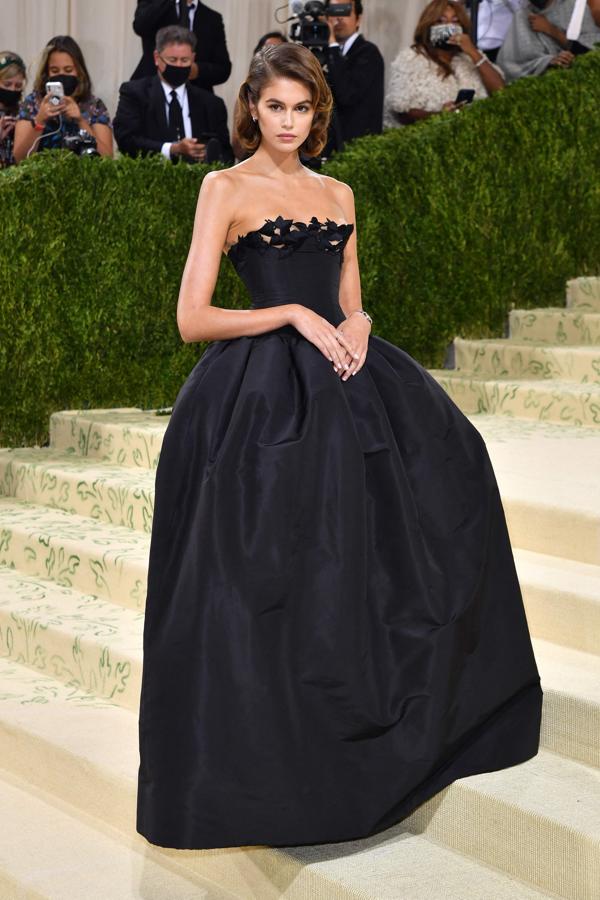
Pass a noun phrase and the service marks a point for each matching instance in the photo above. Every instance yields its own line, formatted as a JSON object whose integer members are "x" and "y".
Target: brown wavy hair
{"x": 284, "y": 61}
{"x": 64, "y": 43}
{"x": 429, "y": 17}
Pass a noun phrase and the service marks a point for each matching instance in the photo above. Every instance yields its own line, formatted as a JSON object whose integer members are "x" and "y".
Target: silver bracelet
{"x": 363, "y": 313}
{"x": 481, "y": 61}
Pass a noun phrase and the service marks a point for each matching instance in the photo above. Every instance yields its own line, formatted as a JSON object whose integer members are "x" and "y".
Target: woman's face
{"x": 285, "y": 113}
{"x": 273, "y": 42}
{"x": 14, "y": 83}
{"x": 449, "y": 15}
{"x": 61, "y": 63}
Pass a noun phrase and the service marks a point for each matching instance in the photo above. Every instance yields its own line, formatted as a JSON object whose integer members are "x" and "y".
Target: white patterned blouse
{"x": 416, "y": 82}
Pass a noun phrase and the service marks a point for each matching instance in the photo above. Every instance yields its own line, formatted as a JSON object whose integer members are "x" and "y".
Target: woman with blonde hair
{"x": 334, "y": 629}
{"x": 427, "y": 77}
{"x": 13, "y": 75}
{"x": 44, "y": 125}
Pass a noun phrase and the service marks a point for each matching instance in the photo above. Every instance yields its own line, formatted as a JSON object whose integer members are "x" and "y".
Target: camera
{"x": 439, "y": 34}
{"x": 83, "y": 143}
{"x": 309, "y": 31}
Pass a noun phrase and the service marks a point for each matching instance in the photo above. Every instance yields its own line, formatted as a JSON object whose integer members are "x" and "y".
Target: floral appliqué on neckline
{"x": 286, "y": 235}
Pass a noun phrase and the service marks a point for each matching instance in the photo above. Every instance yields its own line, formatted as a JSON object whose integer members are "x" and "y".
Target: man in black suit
{"x": 212, "y": 65}
{"x": 355, "y": 72}
{"x": 165, "y": 114}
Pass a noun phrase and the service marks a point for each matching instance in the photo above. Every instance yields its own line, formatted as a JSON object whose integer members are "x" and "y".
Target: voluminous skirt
{"x": 334, "y": 628}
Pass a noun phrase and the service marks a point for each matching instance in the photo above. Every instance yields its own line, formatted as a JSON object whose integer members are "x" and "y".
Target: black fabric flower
{"x": 285, "y": 236}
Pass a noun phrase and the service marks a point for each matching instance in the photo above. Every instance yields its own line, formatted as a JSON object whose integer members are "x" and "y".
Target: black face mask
{"x": 69, "y": 82}
{"x": 10, "y": 99}
{"x": 176, "y": 75}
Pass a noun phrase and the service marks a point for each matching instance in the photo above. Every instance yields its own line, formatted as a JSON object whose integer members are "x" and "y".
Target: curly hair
{"x": 284, "y": 61}
{"x": 430, "y": 15}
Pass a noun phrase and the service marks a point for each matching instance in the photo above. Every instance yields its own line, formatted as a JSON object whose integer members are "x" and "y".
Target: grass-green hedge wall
{"x": 459, "y": 218}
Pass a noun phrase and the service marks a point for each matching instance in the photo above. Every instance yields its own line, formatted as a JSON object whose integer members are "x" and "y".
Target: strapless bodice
{"x": 285, "y": 261}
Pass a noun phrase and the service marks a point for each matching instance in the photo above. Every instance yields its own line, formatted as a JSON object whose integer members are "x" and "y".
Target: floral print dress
{"x": 93, "y": 111}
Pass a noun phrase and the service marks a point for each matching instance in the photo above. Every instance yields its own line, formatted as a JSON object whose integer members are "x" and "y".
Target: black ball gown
{"x": 334, "y": 628}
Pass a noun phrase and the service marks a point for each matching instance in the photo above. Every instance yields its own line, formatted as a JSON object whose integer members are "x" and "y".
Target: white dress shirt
{"x": 347, "y": 43}
{"x": 494, "y": 20}
{"x": 185, "y": 108}
{"x": 191, "y": 12}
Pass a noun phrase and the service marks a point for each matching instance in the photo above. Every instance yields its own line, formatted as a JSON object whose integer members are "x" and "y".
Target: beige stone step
{"x": 75, "y": 551}
{"x": 527, "y": 360}
{"x": 571, "y": 709}
{"x": 584, "y": 293}
{"x": 562, "y": 599}
{"x": 84, "y": 751}
{"x": 51, "y": 850}
{"x": 540, "y": 821}
{"x": 563, "y": 402}
{"x": 118, "y": 495}
{"x": 555, "y": 325}
{"x": 80, "y": 639}
{"x": 547, "y": 480}
{"x": 124, "y": 436}
{"x": 108, "y": 865}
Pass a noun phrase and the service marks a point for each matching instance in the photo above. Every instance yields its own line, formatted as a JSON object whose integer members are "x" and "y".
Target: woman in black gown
{"x": 334, "y": 628}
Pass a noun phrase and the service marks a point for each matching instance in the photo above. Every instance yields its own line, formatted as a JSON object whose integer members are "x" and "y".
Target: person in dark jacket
{"x": 166, "y": 114}
{"x": 212, "y": 65}
{"x": 356, "y": 76}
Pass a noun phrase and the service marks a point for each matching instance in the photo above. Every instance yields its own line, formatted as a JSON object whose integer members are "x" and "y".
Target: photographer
{"x": 12, "y": 81}
{"x": 355, "y": 72}
{"x": 427, "y": 77}
{"x": 537, "y": 39}
{"x": 44, "y": 123}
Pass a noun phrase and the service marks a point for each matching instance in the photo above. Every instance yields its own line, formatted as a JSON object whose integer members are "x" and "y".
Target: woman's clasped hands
{"x": 345, "y": 346}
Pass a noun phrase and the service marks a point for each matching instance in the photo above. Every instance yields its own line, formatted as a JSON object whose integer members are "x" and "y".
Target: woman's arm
{"x": 542, "y": 25}
{"x": 197, "y": 320}
{"x": 25, "y": 136}
{"x": 349, "y": 296}
{"x": 491, "y": 77}
{"x": 104, "y": 138}
{"x": 594, "y": 6}
{"x": 355, "y": 328}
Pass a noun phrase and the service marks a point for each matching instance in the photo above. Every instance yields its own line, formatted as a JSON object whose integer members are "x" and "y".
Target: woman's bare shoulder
{"x": 339, "y": 189}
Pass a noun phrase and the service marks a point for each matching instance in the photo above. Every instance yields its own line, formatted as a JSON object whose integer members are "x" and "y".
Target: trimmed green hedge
{"x": 459, "y": 218}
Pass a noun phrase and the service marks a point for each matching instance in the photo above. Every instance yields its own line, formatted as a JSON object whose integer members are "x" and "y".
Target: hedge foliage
{"x": 459, "y": 218}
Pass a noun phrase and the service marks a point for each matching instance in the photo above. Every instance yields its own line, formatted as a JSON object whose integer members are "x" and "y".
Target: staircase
{"x": 548, "y": 370}
{"x": 75, "y": 521}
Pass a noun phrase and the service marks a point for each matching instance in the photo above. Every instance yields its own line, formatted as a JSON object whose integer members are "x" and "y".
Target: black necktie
{"x": 184, "y": 13}
{"x": 176, "y": 129}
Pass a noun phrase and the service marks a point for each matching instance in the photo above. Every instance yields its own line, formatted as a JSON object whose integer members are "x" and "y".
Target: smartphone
{"x": 56, "y": 91}
{"x": 465, "y": 95}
